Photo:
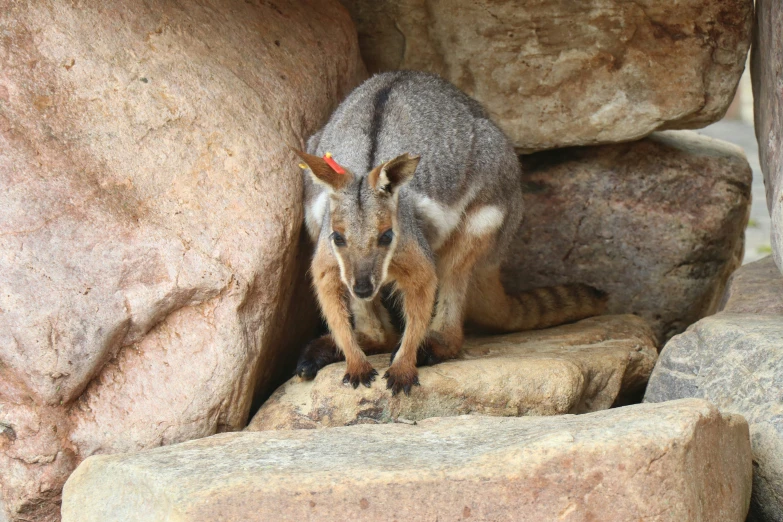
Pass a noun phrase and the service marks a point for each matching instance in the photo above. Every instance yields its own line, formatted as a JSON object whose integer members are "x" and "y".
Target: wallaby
{"x": 411, "y": 185}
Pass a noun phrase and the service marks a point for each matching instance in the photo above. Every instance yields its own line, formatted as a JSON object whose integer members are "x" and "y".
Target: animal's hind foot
{"x": 319, "y": 353}
{"x": 431, "y": 352}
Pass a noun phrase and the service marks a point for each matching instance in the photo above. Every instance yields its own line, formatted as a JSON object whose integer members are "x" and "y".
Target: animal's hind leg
{"x": 456, "y": 260}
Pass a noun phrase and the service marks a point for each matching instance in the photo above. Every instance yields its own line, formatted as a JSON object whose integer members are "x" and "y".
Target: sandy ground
{"x": 757, "y": 235}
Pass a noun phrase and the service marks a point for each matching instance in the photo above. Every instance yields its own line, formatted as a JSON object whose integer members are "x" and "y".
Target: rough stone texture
{"x": 756, "y": 288}
{"x": 149, "y": 217}
{"x": 563, "y": 73}
{"x": 674, "y": 462}
{"x": 766, "y": 68}
{"x": 658, "y": 224}
{"x": 575, "y": 368}
{"x": 735, "y": 360}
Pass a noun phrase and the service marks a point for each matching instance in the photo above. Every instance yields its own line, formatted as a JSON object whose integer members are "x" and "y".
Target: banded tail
{"x": 490, "y": 308}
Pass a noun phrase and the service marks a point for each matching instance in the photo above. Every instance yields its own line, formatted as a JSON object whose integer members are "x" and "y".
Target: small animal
{"x": 410, "y": 187}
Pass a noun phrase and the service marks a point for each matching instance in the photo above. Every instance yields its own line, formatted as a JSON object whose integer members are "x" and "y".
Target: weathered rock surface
{"x": 658, "y": 224}
{"x": 735, "y": 360}
{"x": 755, "y": 288}
{"x": 665, "y": 462}
{"x": 574, "y": 368}
{"x": 556, "y": 74}
{"x": 766, "y": 69}
{"x": 149, "y": 218}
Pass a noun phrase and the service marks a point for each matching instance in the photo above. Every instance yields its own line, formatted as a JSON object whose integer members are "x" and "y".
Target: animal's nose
{"x": 363, "y": 288}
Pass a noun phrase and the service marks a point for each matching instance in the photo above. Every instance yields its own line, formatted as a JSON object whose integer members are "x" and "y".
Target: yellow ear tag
{"x": 303, "y": 166}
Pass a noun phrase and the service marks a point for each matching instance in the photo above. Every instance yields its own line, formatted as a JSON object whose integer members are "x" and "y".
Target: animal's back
{"x": 465, "y": 158}
{"x": 467, "y": 163}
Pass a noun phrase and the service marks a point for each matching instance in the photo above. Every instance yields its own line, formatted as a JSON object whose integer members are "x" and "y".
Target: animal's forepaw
{"x": 398, "y": 380}
{"x": 364, "y": 376}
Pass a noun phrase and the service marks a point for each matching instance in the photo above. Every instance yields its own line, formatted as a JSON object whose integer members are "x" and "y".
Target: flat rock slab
{"x": 681, "y": 461}
{"x": 574, "y": 368}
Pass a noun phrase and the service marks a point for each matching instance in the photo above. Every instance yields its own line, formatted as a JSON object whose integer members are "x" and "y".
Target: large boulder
{"x": 657, "y": 224}
{"x": 556, "y": 74}
{"x": 766, "y": 67}
{"x": 735, "y": 360}
{"x": 665, "y": 462}
{"x": 577, "y": 368}
{"x": 150, "y": 209}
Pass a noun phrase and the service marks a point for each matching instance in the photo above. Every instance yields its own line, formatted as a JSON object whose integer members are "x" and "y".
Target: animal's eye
{"x": 385, "y": 239}
{"x": 338, "y": 238}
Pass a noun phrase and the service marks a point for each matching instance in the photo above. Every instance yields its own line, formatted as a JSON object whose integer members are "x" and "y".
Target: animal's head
{"x": 363, "y": 214}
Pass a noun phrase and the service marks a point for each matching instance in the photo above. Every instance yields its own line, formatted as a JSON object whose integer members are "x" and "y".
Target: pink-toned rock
{"x": 766, "y": 69}
{"x": 673, "y": 462}
{"x": 556, "y": 74}
{"x": 150, "y": 271}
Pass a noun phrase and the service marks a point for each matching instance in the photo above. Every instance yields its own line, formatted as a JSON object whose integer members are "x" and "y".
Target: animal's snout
{"x": 363, "y": 288}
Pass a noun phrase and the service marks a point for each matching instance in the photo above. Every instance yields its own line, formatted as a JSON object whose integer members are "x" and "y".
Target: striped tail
{"x": 553, "y": 305}
{"x": 490, "y": 308}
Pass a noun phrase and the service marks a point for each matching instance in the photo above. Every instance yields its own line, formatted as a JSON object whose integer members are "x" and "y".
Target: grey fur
{"x": 462, "y": 151}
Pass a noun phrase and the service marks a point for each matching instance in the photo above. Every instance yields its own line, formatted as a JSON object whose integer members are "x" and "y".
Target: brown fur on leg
{"x": 331, "y": 296}
{"x": 415, "y": 276}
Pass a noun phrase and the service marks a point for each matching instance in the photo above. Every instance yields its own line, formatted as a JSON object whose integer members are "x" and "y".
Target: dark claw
{"x": 396, "y": 385}
{"x": 355, "y": 380}
{"x": 370, "y": 378}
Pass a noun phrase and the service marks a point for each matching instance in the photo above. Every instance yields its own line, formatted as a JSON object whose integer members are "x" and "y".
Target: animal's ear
{"x": 323, "y": 173}
{"x": 393, "y": 175}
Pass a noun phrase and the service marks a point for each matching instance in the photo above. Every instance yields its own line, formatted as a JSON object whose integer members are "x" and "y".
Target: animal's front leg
{"x": 331, "y": 296}
{"x": 415, "y": 275}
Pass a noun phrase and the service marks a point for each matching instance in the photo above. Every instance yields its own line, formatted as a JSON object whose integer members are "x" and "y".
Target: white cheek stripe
{"x": 484, "y": 220}
{"x": 387, "y": 261}
{"x": 341, "y": 265}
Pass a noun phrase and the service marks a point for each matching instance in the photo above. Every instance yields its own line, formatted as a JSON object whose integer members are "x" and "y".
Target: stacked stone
{"x": 657, "y": 223}
{"x": 734, "y": 359}
{"x": 153, "y": 282}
